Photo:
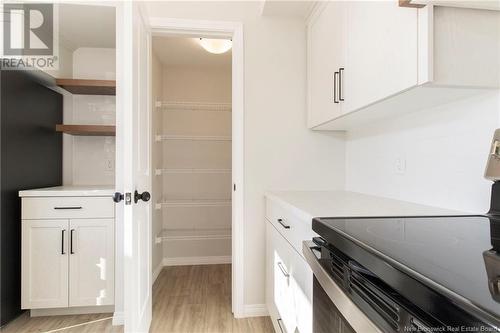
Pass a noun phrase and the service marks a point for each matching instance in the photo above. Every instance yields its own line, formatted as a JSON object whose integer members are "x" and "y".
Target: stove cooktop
{"x": 444, "y": 252}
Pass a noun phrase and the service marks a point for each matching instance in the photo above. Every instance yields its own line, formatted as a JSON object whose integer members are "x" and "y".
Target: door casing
{"x": 160, "y": 26}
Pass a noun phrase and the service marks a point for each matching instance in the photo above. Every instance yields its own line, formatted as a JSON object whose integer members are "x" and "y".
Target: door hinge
{"x": 234, "y": 187}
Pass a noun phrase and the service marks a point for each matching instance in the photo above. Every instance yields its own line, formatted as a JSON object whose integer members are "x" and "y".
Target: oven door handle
{"x": 356, "y": 318}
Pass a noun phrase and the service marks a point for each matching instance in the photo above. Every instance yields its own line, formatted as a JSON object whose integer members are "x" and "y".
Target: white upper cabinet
{"x": 325, "y": 58}
{"x": 393, "y": 59}
{"x": 381, "y": 45}
{"x": 466, "y": 47}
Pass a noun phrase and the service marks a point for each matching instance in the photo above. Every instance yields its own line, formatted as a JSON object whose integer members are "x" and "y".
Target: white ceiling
{"x": 283, "y": 8}
{"x": 182, "y": 51}
{"x": 86, "y": 26}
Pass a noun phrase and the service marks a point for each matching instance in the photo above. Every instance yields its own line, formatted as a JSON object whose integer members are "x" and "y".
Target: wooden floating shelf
{"x": 89, "y": 130}
{"x": 88, "y": 87}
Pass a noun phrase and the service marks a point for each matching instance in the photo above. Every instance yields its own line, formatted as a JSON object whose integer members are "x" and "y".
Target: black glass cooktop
{"x": 443, "y": 252}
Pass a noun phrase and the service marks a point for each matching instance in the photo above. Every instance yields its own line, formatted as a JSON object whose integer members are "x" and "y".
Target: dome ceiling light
{"x": 216, "y": 46}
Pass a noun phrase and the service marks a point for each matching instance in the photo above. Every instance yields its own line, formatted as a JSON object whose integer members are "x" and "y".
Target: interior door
{"x": 134, "y": 155}
{"x": 91, "y": 262}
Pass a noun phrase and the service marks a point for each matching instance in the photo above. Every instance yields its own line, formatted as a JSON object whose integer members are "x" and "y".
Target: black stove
{"x": 446, "y": 267}
{"x": 400, "y": 274}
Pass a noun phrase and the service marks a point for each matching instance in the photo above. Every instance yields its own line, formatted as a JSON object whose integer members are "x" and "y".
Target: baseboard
{"x": 157, "y": 271}
{"x": 118, "y": 318}
{"x": 183, "y": 261}
{"x": 72, "y": 311}
{"x": 255, "y": 310}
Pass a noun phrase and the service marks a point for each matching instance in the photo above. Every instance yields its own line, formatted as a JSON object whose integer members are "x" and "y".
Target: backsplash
{"x": 435, "y": 157}
{"x": 90, "y": 160}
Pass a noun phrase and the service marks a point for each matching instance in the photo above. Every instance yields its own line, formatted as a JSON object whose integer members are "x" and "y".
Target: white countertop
{"x": 70, "y": 191}
{"x": 309, "y": 204}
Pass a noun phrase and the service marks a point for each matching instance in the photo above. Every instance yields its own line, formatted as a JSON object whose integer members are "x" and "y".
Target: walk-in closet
{"x": 191, "y": 152}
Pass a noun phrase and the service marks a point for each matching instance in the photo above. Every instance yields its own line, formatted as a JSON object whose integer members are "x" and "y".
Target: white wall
{"x": 197, "y": 84}
{"x": 280, "y": 152}
{"x": 89, "y": 160}
{"x": 65, "y": 62}
{"x": 445, "y": 149}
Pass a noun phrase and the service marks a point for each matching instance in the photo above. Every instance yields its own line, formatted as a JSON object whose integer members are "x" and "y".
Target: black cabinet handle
{"x": 282, "y": 222}
{"x": 69, "y": 207}
{"x": 283, "y": 270}
{"x": 71, "y": 241}
{"x": 335, "y": 77}
{"x": 62, "y": 241}
{"x": 341, "y": 97}
{"x": 279, "y": 320}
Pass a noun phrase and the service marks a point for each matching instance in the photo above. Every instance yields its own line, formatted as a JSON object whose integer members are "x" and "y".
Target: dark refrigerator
{"x": 31, "y": 157}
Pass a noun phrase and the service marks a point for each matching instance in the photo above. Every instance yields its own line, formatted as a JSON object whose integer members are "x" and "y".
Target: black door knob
{"x": 117, "y": 197}
{"x": 144, "y": 196}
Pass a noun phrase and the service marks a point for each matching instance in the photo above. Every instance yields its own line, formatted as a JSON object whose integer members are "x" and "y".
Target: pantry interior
{"x": 191, "y": 148}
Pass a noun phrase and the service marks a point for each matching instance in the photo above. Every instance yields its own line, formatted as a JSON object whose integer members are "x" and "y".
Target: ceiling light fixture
{"x": 216, "y": 46}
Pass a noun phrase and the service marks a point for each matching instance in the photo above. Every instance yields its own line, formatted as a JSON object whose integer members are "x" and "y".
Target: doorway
{"x": 191, "y": 151}
{"x": 191, "y": 88}
{"x": 194, "y": 30}
{"x": 136, "y": 95}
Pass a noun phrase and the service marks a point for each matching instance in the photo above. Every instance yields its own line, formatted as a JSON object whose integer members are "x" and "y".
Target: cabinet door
{"x": 280, "y": 279}
{"x": 325, "y": 55}
{"x": 44, "y": 276}
{"x": 91, "y": 263}
{"x": 381, "y": 52}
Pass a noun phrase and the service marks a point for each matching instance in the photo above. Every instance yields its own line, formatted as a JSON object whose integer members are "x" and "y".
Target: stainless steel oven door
{"x": 333, "y": 310}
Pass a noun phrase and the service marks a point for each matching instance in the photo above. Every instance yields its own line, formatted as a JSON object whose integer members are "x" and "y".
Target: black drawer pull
{"x": 69, "y": 207}
{"x": 71, "y": 241}
{"x": 335, "y": 78}
{"x": 283, "y": 270}
{"x": 62, "y": 241}
{"x": 341, "y": 97}
{"x": 279, "y": 320}
{"x": 282, "y": 222}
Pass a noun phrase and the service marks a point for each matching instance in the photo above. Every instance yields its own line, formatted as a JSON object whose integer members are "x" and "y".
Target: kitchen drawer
{"x": 280, "y": 278}
{"x": 288, "y": 285}
{"x": 67, "y": 207}
{"x": 291, "y": 227}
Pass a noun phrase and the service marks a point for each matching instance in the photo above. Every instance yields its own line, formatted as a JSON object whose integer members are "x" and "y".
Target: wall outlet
{"x": 109, "y": 165}
{"x": 400, "y": 165}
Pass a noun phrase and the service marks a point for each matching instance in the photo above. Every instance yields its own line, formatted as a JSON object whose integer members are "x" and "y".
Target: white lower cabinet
{"x": 44, "y": 264}
{"x": 67, "y": 262}
{"x": 288, "y": 285}
{"x": 91, "y": 262}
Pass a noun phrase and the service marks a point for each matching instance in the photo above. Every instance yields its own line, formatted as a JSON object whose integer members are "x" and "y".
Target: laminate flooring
{"x": 186, "y": 299}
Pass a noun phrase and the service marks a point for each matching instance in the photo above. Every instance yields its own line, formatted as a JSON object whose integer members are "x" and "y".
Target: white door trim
{"x": 234, "y": 30}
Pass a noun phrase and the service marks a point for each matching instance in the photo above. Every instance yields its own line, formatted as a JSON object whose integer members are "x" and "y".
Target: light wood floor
{"x": 186, "y": 299}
